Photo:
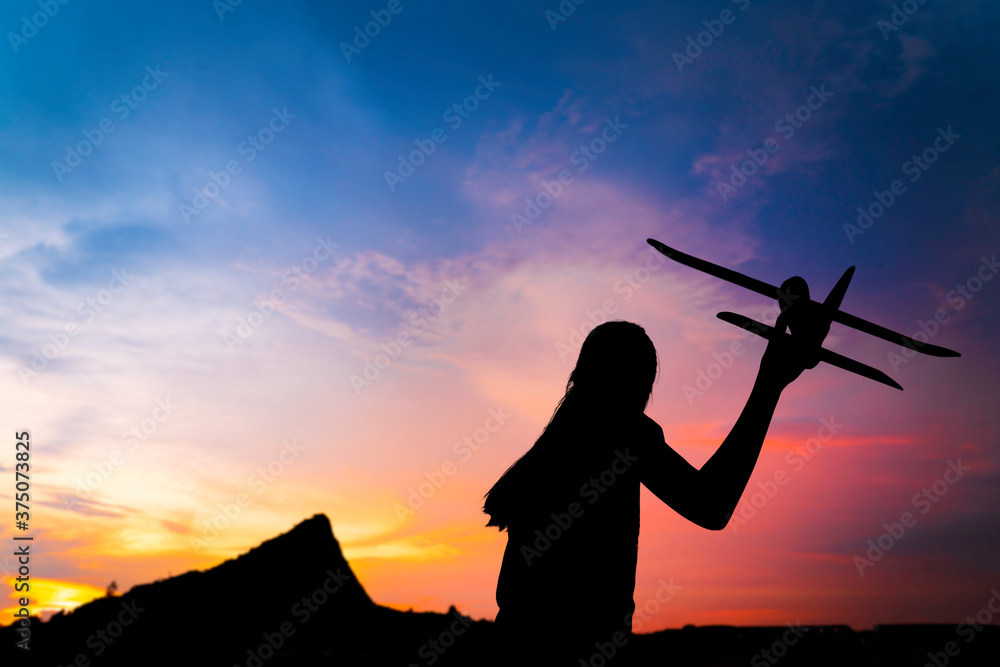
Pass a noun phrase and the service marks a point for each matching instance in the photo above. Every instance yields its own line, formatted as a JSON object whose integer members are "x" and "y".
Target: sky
{"x": 257, "y": 263}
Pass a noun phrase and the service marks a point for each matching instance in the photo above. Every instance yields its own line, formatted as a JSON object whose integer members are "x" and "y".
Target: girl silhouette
{"x": 570, "y": 505}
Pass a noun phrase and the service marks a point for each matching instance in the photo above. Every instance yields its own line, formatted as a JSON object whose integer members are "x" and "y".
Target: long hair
{"x": 614, "y": 374}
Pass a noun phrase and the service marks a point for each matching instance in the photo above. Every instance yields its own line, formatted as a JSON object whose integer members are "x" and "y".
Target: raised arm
{"x": 709, "y": 496}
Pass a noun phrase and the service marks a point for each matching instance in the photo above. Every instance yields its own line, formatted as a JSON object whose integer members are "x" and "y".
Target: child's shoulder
{"x": 649, "y": 425}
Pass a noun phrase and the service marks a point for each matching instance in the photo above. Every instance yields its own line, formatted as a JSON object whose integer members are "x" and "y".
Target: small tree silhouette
{"x": 112, "y": 589}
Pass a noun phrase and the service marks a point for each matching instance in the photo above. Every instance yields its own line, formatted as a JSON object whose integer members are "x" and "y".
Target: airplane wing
{"x": 825, "y": 355}
{"x": 773, "y": 292}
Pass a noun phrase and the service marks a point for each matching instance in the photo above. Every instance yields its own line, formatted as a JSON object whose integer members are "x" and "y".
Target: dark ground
{"x": 166, "y": 623}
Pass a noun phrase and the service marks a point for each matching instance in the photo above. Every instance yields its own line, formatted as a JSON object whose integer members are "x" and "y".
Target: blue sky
{"x": 224, "y": 76}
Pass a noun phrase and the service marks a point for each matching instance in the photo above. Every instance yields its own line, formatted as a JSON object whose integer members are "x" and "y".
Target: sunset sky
{"x": 257, "y": 265}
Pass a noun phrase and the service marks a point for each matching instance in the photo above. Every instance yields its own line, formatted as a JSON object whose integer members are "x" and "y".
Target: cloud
{"x": 94, "y": 250}
{"x": 914, "y": 51}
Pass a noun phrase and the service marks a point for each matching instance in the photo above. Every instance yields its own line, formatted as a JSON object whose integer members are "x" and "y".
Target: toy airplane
{"x": 796, "y": 305}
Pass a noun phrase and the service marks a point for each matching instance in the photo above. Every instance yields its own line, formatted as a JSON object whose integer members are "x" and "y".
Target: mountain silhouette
{"x": 232, "y": 615}
{"x": 292, "y": 600}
